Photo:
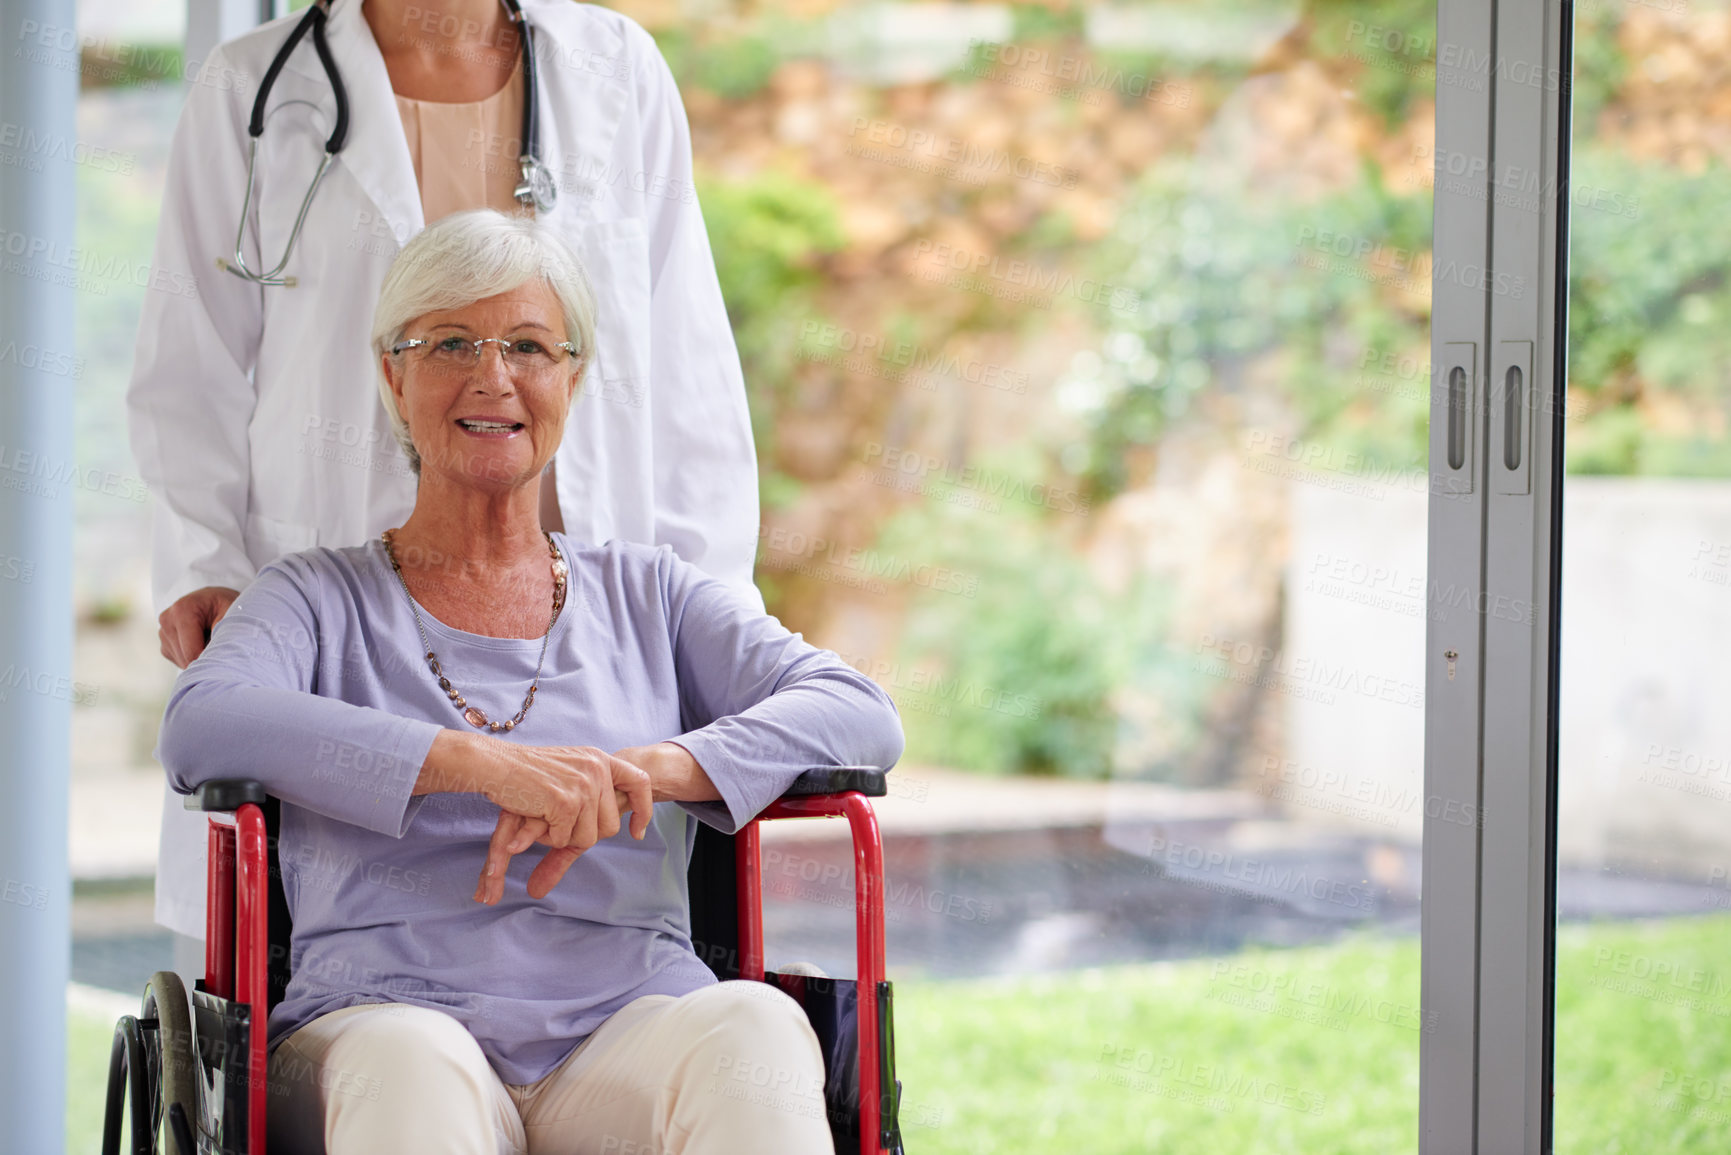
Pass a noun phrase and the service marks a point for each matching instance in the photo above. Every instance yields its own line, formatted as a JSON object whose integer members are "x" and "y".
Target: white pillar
{"x": 39, "y": 266}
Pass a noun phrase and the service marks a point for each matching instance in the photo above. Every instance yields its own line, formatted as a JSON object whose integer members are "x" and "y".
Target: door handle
{"x": 1512, "y": 417}
{"x": 1457, "y": 397}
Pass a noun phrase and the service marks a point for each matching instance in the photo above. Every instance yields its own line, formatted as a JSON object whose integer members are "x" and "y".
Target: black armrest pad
{"x": 222, "y": 794}
{"x": 868, "y": 780}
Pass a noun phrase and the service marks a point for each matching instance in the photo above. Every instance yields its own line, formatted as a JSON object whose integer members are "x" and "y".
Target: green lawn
{"x": 1306, "y": 1051}
{"x": 87, "y": 1043}
{"x": 1311, "y": 1051}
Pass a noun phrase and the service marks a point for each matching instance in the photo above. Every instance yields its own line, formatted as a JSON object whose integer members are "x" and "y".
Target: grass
{"x": 1312, "y": 1050}
{"x": 1263, "y": 1051}
{"x": 88, "y": 1037}
{"x": 1644, "y": 1037}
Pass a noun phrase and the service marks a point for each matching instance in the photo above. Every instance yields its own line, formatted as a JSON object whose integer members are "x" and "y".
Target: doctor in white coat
{"x": 254, "y": 411}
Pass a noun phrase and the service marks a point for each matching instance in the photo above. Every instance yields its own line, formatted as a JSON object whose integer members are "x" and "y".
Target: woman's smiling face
{"x": 487, "y": 425}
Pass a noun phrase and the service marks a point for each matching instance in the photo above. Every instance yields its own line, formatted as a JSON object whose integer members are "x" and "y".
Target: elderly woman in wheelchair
{"x": 432, "y": 704}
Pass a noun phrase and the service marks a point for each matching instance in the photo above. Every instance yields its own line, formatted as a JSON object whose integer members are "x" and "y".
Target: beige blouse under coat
{"x": 465, "y": 155}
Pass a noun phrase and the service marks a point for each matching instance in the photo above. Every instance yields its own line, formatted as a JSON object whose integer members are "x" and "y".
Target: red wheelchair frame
{"x": 232, "y": 1003}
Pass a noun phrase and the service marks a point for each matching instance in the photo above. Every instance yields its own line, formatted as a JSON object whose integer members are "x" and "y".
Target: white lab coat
{"x": 254, "y": 411}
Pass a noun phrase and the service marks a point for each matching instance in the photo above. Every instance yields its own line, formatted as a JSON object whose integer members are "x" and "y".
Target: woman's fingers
{"x": 622, "y": 803}
{"x": 533, "y": 830}
{"x": 587, "y": 831}
{"x": 513, "y": 834}
{"x": 633, "y": 782}
{"x": 551, "y": 869}
{"x": 581, "y": 793}
{"x": 607, "y": 813}
{"x": 581, "y": 806}
{"x": 565, "y": 806}
{"x": 588, "y": 794}
{"x": 491, "y": 888}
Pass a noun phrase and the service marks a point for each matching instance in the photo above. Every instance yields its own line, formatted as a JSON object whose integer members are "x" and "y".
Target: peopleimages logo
{"x": 979, "y": 270}
{"x": 927, "y": 467}
{"x": 35, "y": 357}
{"x": 63, "y": 47}
{"x": 1258, "y": 663}
{"x": 26, "y": 142}
{"x": 40, "y": 475}
{"x": 868, "y": 563}
{"x": 925, "y": 151}
{"x": 45, "y": 683}
{"x": 1197, "y": 864}
{"x": 1069, "y": 73}
{"x": 908, "y": 359}
{"x": 38, "y": 256}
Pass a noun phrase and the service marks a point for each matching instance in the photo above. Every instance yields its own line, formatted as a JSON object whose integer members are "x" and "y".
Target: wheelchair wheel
{"x": 130, "y": 1088}
{"x": 152, "y": 1073}
{"x": 176, "y": 1060}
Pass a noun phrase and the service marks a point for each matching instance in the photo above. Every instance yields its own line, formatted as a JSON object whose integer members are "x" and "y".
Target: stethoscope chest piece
{"x": 537, "y": 185}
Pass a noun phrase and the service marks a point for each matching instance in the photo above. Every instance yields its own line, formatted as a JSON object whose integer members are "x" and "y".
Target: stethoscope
{"x": 536, "y": 188}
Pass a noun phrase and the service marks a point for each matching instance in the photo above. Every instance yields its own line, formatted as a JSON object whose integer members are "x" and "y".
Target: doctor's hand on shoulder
{"x": 184, "y": 627}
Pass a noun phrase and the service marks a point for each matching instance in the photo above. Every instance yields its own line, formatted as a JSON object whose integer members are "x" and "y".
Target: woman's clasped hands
{"x": 567, "y": 798}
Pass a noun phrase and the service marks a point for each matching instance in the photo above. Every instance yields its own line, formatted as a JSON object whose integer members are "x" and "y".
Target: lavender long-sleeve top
{"x": 315, "y": 683}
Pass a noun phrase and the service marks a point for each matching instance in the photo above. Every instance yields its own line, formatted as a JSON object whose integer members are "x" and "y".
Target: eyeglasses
{"x": 524, "y": 356}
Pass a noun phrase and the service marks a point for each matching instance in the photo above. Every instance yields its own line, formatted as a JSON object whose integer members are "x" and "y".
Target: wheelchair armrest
{"x": 868, "y": 780}
{"x": 226, "y": 794}
{"x": 229, "y": 794}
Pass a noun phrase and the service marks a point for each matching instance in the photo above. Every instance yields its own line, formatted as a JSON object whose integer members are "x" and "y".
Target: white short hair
{"x": 468, "y": 257}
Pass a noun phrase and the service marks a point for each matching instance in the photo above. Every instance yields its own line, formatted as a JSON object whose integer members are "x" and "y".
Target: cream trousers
{"x": 731, "y": 1069}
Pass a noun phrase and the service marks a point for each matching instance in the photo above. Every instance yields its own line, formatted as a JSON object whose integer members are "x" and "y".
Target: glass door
{"x": 1089, "y": 349}
{"x": 1643, "y": 958}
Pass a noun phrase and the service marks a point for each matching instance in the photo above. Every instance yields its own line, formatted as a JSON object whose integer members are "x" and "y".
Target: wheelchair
{"x": 188, "y": 1076}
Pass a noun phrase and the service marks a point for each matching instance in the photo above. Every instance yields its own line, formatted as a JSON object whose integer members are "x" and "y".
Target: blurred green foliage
{"x": 768, "y": 235}
{"x": 1230, "y": 276}
{"x": 1392, "y": 41}
{"x": 735, "y": 66}
{"x": 1011, "y": 662}
{"x": 1252, "y": 304}
{"x": 1027, "y": 658}
{"x": 1649, "y": 318}
{"x": 1033, "y": 22}
{"x": 1239, "y": 286}
{"x": 734, "y": 69}
{"x": 1601, "y": 65}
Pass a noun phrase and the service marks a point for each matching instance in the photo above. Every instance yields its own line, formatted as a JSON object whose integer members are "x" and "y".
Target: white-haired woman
{"x": 429, "y": 705}
{"x": 244, "y": 418}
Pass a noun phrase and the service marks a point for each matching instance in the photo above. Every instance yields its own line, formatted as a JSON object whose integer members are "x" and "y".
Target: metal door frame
{"x": 1500, "y": 304}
